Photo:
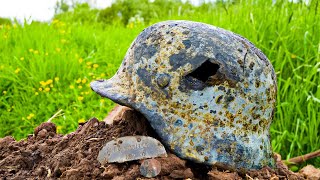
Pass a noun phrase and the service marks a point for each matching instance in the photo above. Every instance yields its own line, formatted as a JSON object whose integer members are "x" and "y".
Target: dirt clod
{"x": 310, "y": 172}
{"x": 48, "y": 126}
{"x": 47, "y": 155}
{"x": 219, "y": 175}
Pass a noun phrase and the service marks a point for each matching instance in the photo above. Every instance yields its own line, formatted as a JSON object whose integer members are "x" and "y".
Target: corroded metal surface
{"x": 131, "y": 148}
{"x": 208, "y": 93}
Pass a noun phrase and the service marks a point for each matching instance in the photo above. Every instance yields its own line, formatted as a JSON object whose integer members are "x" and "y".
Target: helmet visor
{"x": 112, "y": 89}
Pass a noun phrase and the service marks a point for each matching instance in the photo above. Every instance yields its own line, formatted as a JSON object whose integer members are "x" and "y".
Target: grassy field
{"x": 45, "y": 67}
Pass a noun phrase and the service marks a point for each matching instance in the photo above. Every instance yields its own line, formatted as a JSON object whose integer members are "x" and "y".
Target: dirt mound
{"x": 74, "y": 156}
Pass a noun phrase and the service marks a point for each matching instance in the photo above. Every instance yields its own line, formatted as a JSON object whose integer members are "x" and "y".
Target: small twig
{"x": 248, "y": 177}
{"x": 49, "y": 172}
{"x": 303, "y": 158}
{"x": 95, "y": 139}
{"x": 55, "y": 115}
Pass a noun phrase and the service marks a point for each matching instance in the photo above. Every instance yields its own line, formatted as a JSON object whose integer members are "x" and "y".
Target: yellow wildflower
{"x": 36, "y": 93}
{"x": 36, "y": 52}
{"x": 80, "y": 60}
{"x": 130, "y": 25}
{"x": 22, "y": 58}
{"x": 59, "y": 129}
{"x": 80, "y": 98}
{"x": 17, "y": 70}
{"x": 89, "y": 63}
{"x": 95, "y": 66}
{"x": 102, "y": 74}
{"x": 30, "y": 116}
{"x": 47, "y": 89}
{"x": 81, "y": 120}
{"x": 87, "y": 92}
{"x": 43, "y": 83}
{"x": 51, "y": 85}
{"x": 31, "y": 50}
{"x": 4, "y": 92}
{"x": 80, "y": 87}
{"x": 84, "y": 81}
{"x": 71, "y": 87}
{"x": 55, "y": 21}
{"x": 49, "y": 81}
{"x": 78, "y": 81}
{"x": 58, "y": 49}
{"x": 40, "y": 89}
{"x": 56, "y": 79}
{"x": 102, "y": 100}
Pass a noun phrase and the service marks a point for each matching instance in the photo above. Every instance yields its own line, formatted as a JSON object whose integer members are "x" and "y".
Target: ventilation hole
{"x": 206, "y": 70}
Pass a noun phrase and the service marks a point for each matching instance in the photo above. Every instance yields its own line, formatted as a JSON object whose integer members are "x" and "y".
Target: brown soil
{"x": 47, "y": 155}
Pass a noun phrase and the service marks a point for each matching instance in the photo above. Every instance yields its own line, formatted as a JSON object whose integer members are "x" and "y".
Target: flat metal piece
{"x": 131, "y": 148}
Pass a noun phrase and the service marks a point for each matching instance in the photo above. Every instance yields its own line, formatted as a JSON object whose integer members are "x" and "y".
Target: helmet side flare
{"x": 207, "y": 92}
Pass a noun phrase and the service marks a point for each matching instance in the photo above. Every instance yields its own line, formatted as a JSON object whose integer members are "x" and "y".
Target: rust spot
{"x": 251, "y": 65}
{"x": 218, "y": 99}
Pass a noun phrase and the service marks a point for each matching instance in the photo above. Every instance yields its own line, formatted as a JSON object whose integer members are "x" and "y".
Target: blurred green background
{"x": 47, "y": 66}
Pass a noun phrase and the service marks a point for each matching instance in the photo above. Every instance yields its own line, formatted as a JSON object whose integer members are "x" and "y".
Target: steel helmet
{"x": 208, "y": 93}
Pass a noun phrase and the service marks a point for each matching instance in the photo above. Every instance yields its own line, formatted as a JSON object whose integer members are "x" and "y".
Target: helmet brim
{"x": 111, "y": 89}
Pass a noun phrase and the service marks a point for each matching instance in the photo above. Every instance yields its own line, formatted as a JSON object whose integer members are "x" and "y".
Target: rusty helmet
{"x": 208, "y": 93}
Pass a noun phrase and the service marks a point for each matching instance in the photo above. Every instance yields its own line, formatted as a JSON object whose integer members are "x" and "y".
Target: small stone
{"x": 310, "y": 172}
{"x": 150, "y": 168}
{"x": 116, "y": 114}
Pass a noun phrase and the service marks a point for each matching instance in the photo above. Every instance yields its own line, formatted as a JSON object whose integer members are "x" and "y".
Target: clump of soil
{"x": 74, "y": 156}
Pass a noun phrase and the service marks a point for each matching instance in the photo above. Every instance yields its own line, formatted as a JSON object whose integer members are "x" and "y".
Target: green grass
{"x": 71, "y": 52}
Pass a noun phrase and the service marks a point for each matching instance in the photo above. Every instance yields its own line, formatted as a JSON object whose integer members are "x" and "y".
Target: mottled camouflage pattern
{"x": 223, "y": 120}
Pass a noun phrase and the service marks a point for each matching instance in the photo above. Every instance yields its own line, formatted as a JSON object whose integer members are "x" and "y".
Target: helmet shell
{"x": 208, "y": 93}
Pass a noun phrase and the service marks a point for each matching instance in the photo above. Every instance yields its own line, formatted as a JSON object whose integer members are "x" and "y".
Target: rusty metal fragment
{"x": 150, "y": 168}
{"x": 131, "y": 148}
{"x": 209, "y": 94}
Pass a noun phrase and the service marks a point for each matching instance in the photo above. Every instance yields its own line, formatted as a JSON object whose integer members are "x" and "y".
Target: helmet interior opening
{"x": 205, "y": 71}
